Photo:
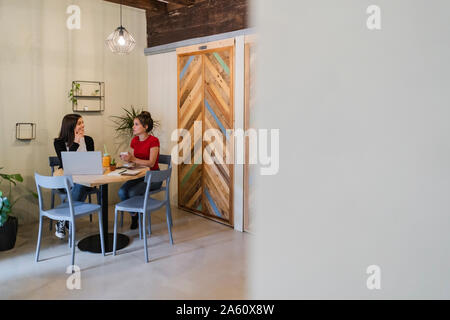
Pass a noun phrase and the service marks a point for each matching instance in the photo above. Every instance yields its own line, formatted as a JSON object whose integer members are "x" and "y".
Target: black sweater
{"x": 60, "y": 146}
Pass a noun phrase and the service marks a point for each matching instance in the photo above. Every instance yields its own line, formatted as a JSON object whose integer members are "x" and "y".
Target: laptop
{"x": 79, "y": 163}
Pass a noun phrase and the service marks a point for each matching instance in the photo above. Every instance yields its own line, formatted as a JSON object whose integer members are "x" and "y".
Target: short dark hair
{"x": 146, "y": 120}
{"x": 68, "y": 124}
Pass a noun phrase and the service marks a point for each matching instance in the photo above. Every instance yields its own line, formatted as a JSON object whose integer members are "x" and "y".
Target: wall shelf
{"x": 89, "y": 96}
{"x": 25, "y": 131}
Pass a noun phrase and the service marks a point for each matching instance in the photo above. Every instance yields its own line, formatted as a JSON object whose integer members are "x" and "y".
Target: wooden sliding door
{"x": 190, "y": 109}
{"x": 205, "y": 93}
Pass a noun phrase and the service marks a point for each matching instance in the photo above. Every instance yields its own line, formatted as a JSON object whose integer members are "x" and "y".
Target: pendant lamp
{"x": 120, "y": 41}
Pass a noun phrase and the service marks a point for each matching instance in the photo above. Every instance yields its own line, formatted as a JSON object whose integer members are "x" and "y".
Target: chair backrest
{"x": 154, "y": 177}
{"x": 157, "y": 176}
{"x": 53, "y": 162}
{"x": 61, "y": 182}
{"x": 165, "y": 159}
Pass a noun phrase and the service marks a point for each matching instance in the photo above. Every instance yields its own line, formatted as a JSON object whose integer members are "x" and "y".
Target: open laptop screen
{"x": 78, "y": 163}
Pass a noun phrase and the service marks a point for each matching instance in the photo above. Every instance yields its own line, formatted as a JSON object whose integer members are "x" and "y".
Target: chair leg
{"x": 145, "y": 238}
{"x": 52, "y": 206}
{"x": 72, "y": 226}
{"x": 115, "y": 232}
{"x": 90, "y": 201}
{"x": 38, "y": 247}
{"x": 149, "y": 223}
{"x": 140, "y": 225}
{"x": 70, "y": 236}
{"x": 170, "y": 214}
{"x": 168, "y": 223}
{"x": 100, "y": 225}
{"x": 121, "y": 221}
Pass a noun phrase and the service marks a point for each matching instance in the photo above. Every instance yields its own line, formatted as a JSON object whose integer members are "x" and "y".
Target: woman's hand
{"x": 78, "y": 135}
{"x": 141, "y": 162}
{"x": 127, "y": 157}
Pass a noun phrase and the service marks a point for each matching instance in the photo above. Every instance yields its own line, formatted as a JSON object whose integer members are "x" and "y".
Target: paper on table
{"x": 130, "y": 172}
{"x": 116, "y": 172}
{"x": 124, "y": 172}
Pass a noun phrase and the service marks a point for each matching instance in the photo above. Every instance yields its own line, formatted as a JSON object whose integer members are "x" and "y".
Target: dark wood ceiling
{"x": 175, "y": 20}
{"x": 151, "y": 7}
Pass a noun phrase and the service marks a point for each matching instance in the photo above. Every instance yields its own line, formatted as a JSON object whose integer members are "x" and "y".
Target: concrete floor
{"x": 207, "y": 261}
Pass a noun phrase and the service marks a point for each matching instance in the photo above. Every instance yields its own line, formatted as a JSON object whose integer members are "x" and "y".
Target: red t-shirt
{"x": 142, "y": 149}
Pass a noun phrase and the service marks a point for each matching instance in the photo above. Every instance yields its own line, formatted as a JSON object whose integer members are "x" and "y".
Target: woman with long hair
{"x": 72, "y": 138}
{"x": 145, "y": 153}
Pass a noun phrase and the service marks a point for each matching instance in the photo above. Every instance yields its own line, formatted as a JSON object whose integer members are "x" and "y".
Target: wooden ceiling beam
{"x": 175, "y": 20}
{"x": 177, "y": 4}
{"x": 180, "y": 2}
{"x": 204, "y": 18}
{"x": 151, "y": 7}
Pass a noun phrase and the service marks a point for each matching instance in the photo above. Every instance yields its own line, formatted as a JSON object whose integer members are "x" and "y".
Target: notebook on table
{"x": 129, "y": 172}
{"x": 124, "y": 172}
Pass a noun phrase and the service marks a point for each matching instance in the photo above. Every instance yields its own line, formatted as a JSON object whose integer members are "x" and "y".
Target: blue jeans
{"x": 136, "y": 187}
{"x": 79, "y": 192}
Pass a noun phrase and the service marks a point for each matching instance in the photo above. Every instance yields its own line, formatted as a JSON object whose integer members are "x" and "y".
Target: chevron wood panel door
{"x": 207, "y": 188}
{"x": 190, "y": 109}
{"x": 217, "y": 189}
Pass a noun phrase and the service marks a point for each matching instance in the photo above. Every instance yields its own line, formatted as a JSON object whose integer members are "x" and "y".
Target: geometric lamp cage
{"x": 120, "y": 41}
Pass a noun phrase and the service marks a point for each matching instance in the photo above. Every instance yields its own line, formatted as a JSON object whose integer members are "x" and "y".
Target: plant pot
{"x": 112, "y": 168}
{"x": 8, "y": 234}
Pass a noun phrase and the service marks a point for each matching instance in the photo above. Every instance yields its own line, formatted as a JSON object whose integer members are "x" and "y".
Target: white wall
{"x": 162, "y": 97}
{"x": 162, "y": 104}
{"x": 39, "y": 58}
{"x": 364, "y": 173}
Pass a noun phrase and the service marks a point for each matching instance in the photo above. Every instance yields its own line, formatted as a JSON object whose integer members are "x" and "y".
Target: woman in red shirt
{"x": 145, "y": 153}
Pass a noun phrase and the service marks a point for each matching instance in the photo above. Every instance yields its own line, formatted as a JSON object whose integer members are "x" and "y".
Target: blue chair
{"x": 144, "y": 205}
{"x": 54, "y": 162}
{"x": 163, "y": 159}
{"x": 67, "y": 211}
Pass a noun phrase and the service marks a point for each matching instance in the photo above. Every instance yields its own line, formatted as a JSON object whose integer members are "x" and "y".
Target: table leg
{"x": 104, "y": 203}
{"x": 92, "y": 243}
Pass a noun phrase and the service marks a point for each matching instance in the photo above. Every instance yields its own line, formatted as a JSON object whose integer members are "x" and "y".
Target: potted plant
{"x": 113, "y": 165}
{"x": 8, "y": 223}
{"x": 74, "y": 92}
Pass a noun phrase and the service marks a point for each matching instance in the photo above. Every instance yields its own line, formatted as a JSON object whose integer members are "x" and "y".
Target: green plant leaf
{"x": 17, "y": 177}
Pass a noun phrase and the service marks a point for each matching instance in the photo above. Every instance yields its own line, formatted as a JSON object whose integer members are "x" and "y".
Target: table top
{"x": 97, "y": 180}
